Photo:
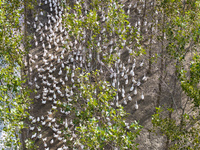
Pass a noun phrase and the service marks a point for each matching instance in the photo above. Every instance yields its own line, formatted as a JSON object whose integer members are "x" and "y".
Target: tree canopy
{"x": 85, "y": 65}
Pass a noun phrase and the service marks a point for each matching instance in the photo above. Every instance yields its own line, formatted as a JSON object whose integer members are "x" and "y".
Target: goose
{"x": 132, "y": 73}
{"x": 52, "y": 141}
{"x": 54, "y": 96}
{"x": 54, "y": 129}
{"x": 122, "y": 74}
{"x": 62, "y": 65}
{"x": 132, "y": 87}
{"x": 44, "y": 139}
{"x": 49, "y": 124}
{"x": 142, "y": 96}
{"x": 38, "y": 119}
{"x": 57, "y": 48}
{"x": 123, "y": 95}
{"x": 42, "y": 117}
{"x": 66, "y": 124}
{"x": 72, "y": 80}
{"x": 31, "y": 117}
{"x": 43, "y": 122}
{"x": 59, "y": 92}
{"x": 60, "y": 72}
{"x": 49, "y": 21}
{"x": 34, "y": 26}
{"x": 142, "y": 63}
{"x": 136, "y": 105}
{"x": 44, "y": 77}
{"x": 66, "y": 147}
{"x": 135, "y": 91}
{"x": 44, "y": 101}
{"x": 129, "y": 60}
{"x": 71, "y": 92}
{"x": 125, "y": 102}
{"x": 40, "y": 136}
{"x": 144, "y": 78}
{"x": 44, "y": 82}
{"x": 50, "y": 4}
{"x": 53, "y": 107}
{"x": 60, "y": 80}
{"x": 36, "y": 57}
{"x": 37, "y": 97}
{"x": 32, "y": 61}
{"x": 39, "y": 75}
{"x": 38, "y": 29}
{"x": 125, "y": 76}
{"x": 126, "y": 82}
{"x": 138, "y": 83}
{"x": 59, "y": 132}
{"x": 129, "y": 98}
{"x": 72, "y": 59}
{"x": 54, "y": 101}
{"x": 58, "y": 61}
{"x": 34, "y": 135}
{"x": 55, "y": 135}
{"x": 43, "y": 45}
{"x": 41, "y": 38}
{"x": 74, "y": 66}
{"x": 133, "y": 80}
{"x": 54, "y": 68}
{"x": 117, "y": 97}
{"x": 39, "y": 129}
{"x": 56, "y": 29}
{"x": 50, "y": 98}
{"x": 54, "y": 119}
{"x": 62, "y": 57}
{"x": 49, "y": 118}
{"x": 49, "y": 46}
{"x": 60, "y": 138}
{"x": 36, "y": 43}
{"x": 30, "y": 83}
{"x": 66, "y": 78}
{"x": 32, "y": 128}
{"x": 33, "y": 121}
{"x": 30, "y": 55}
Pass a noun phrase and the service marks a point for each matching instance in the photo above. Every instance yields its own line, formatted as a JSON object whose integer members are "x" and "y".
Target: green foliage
{"x": 182, "y": 134}
{"x": 13, "y": 98}
{"x": 182, "y": 27}
{"x": 181, "y": 35}
{"x": 104, "y": 21}
{"x": 191, "y": 84}
{"x": 98, "y": 124}
{"x": 10, "y": 35}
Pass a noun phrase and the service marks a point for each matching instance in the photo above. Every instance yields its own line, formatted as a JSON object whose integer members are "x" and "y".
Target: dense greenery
{"x": 182, "y": 37}
{"x": 111, "y": 130}
{"x": 99, "y": 124}
{"x": 13, "y": 98}
{"x": 98, "y": 121}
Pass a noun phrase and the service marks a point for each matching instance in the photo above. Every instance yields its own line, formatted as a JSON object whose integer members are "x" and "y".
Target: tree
{"x": 13, "y": 98}
{"x": 83, "y": 63}
{"x": 53, "y": 91}
{"x": 182, "y": 37}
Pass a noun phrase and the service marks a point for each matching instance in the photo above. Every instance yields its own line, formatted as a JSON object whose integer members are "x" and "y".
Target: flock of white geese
{"x": 54, "y": 65}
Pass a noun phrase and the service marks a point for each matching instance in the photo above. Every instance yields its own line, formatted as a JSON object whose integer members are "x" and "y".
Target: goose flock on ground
{"x": 53, "y": 63}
